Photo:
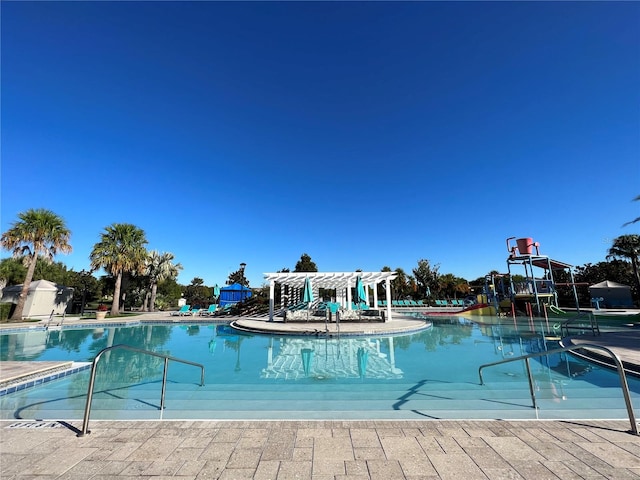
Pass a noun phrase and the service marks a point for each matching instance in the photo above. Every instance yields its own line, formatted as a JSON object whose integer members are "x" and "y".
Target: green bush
{"x": 5, "y": 309}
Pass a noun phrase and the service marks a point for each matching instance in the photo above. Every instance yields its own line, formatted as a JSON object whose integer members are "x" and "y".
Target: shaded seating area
{"x": 234, "y": 293}
{"x": 331, "y": 312}
{"x": 347, "y": 289}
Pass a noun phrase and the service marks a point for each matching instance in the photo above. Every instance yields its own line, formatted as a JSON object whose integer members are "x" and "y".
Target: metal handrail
{"x": 51, "y": 320}
{"x": 87, "y": 409}
{"x": 623, "y": 377}
{"x": 593, "y": 324}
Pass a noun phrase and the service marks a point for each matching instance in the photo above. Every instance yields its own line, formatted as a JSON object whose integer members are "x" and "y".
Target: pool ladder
{"x": 591, "y": 319}
{"x": 618, "y": 363}
{"x": 87, "y": 409}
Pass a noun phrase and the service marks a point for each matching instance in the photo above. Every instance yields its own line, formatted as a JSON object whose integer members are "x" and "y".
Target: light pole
{"x": 242, "y": 267}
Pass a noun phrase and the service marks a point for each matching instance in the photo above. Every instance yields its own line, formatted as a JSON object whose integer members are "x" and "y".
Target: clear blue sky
{"x": 366, "y": 134}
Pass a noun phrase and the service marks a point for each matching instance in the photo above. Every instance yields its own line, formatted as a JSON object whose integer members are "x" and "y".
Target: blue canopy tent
{"x": 234, "y": 293}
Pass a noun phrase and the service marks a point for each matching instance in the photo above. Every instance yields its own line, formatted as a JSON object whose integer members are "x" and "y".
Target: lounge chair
{"x": 210, "y": 311}
{"x": 224, "y": 310}
{"x": 184, "y": 310}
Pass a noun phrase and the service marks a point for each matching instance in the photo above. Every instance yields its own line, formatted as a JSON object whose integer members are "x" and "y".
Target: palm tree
{"x": 400, "y": 284}
{"x": 39, "y": 232}
{"x": 637, "y": 219}
{"x": 120, "y": 250}
{"x": 627, "y": 247}
{"x": 160, "y": 267}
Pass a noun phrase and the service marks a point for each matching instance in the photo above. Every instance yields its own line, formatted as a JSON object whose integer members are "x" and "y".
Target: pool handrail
{"x": 619, "y": 367}
{"x": 593, "y": 324}
{"x": 92, "y": 380}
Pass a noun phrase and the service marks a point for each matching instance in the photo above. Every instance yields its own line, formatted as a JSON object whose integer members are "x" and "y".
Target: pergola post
{"x": 375, "y": 295}
{"x": 387, "y": 284}
{"x": 272, "y": 291}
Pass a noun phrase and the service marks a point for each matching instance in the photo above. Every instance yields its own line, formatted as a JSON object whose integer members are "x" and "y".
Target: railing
{"x": 51, "y": 320}
{"x": 623, "y": 378}
{"x": 593, "y": 325}
{"x": 87, "y": 410}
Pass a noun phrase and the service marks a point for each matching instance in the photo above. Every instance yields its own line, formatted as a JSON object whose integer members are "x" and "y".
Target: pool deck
{"x": 319, "y": 450}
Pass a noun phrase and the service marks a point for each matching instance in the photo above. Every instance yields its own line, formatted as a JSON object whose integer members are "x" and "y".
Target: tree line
{"x": 147, "y": 279}
{"x": 40, "y": 234}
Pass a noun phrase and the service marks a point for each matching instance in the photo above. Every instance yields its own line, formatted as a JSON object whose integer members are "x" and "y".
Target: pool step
{"x": 314, "y": 401}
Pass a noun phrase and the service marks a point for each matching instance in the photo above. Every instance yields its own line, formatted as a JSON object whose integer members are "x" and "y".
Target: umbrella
{"x": 361, "y": 296}
{"x": 307, "y": 356}
{"x": 363, "y": 356}
{"x": 307, "y": 294}
{"x": 216, "y": 292}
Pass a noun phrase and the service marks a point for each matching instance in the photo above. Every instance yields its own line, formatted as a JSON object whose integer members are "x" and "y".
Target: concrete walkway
{"x": 336, "y": 450}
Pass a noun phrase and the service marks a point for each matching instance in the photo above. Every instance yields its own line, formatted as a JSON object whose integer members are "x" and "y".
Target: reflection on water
{"x": 331, "y": 358}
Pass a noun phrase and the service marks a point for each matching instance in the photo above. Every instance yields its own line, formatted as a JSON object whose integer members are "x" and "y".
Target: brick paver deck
{"x": 323, "y": 450}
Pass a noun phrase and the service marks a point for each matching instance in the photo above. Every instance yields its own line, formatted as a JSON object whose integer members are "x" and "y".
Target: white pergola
{"x": 342, "y": 282}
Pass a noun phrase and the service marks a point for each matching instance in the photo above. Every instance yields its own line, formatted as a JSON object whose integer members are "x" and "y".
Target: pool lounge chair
{"x": 210, "y": 311}
{"x": 225, "y": 310}
{"x": 184, "y": 310}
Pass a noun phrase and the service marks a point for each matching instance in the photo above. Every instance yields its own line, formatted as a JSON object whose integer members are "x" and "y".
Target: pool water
{"x": 432, "y": 373}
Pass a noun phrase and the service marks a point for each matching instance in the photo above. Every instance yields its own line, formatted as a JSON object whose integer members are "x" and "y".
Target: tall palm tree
{"x": 628, "y": 247}
{"x": 160, "y": 267}
{"x": 38, "y": 233}
{"x": 121, "y": 250}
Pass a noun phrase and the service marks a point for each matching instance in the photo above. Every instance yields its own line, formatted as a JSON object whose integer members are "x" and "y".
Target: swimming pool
{"x": 427, "y": 374}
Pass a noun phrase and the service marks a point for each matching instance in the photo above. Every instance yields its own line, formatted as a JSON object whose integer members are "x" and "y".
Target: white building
{"x": 43, "y": 298}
